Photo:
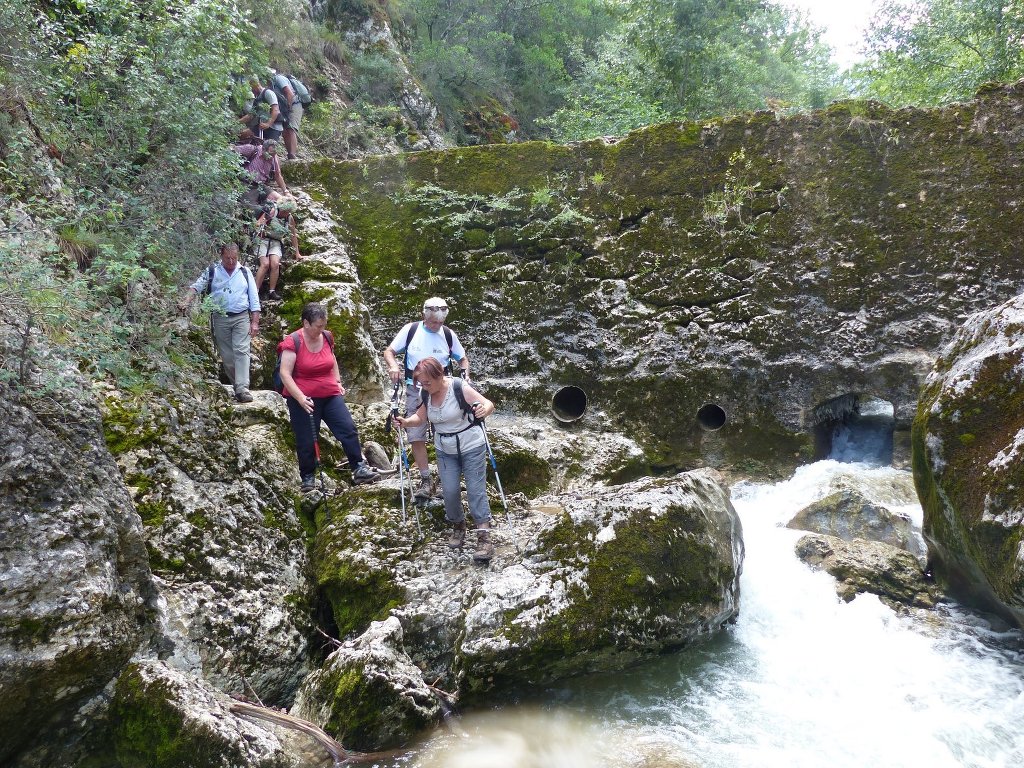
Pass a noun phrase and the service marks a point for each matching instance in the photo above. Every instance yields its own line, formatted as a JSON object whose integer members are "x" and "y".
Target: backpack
{"x": 447, "y": 337}
{"x": 283, "y": 105}
{"x": 460, "y": 398}
{"x": 209, "y": 279}
{"x": 301, "y": 91}
{"x": 296, "y": 345}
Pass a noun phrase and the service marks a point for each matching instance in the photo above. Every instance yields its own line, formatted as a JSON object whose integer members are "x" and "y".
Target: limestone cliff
{"x": 761, "y": 263}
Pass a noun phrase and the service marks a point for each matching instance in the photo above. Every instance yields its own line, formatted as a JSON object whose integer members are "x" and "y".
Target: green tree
{"x": 929, "y": 52}
{"x": 733, "y": 55}
{"x": 516, "y": 52}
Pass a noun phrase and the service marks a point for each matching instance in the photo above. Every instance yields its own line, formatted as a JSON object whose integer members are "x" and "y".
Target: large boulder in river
{"x": 969, "y": 460}
{"x": 873, "y": 567}
{"x": 761, "y": 265}
{"x": 581, "y": 582}
{"x": 848, "y": 515}
{"x": 76, "y": 593}
{"x": 368, "y": 693}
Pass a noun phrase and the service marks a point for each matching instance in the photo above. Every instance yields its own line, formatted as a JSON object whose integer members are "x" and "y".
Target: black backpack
{"x": 450, "y": 368}
{"x": 297, "y": 344}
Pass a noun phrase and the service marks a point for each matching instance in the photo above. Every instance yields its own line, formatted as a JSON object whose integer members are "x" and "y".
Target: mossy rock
{"x": 972, "y": 490}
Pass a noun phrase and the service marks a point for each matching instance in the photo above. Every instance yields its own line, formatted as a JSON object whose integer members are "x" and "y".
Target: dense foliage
{"x": 933, "y": 52}
{"x": 115, "y": 173}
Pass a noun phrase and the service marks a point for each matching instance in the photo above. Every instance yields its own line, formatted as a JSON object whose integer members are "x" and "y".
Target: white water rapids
{"x": 802, "y": 680}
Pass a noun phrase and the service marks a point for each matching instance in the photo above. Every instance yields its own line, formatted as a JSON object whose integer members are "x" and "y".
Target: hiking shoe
{"x": 424, "y": 490}
{"x": 273, "y": 295}
{"x": 244, "y": 396}
{"x": 458, "y": 535}
{"x": 364, "y": 473}
{"x": 308, "y": 483}
{"x": 484, "y": 546}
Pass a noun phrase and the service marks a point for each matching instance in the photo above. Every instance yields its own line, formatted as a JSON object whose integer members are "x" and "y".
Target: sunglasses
{"x": 436, "y": 309}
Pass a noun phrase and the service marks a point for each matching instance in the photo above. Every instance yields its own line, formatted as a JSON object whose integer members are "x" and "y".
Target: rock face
{"x": 368, "y": 693}
{"x": 868, "y": 566}
{"x": 580, "y": 584}
{"x": 164, "y": 718}
{"x": 215, "y": 485}
{"x": 765, "y": 265}
{"x": 76, "y": 593}
{"x": 848, "y": 515}
{"x": 968, "y": 444}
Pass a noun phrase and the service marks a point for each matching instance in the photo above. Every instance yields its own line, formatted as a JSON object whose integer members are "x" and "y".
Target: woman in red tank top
{"x": 314, "y": 393}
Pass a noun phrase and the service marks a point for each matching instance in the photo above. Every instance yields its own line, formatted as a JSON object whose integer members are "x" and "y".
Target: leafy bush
{"x": 118, "y": 124}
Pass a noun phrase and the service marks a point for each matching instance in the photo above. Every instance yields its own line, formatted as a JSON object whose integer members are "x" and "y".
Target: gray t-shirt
{"x": 263, "y": 105}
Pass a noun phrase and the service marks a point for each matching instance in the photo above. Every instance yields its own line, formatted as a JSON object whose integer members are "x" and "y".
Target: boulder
{"x": 968, "y": 442}
{"x": 76, "y": 594}
{"x": 581, "y": 582}
{"x": 368, "y": 693}
{"x": 868, "y": 566}
{"x": 848, "y": 515}
{"x": 165, "y": 718}
{"x": 216, "y": 485}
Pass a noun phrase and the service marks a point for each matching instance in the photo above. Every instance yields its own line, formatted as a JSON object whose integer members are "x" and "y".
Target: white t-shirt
{"x": 425, "y": 343}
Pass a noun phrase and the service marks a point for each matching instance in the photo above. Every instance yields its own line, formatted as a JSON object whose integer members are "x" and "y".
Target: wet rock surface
{"x": 580, "y": 582}
{"x": 862, "y": 566}
{"x": 848, "y": 515}
{"x": 968, "y": 442}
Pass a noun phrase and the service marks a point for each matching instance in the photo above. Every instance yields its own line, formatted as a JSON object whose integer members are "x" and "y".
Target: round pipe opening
{"x": 711, "y": 417}
{"x": 569, "y": 404}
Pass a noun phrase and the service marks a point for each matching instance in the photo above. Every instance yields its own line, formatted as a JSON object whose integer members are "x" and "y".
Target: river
{"x": 801, "y": 679}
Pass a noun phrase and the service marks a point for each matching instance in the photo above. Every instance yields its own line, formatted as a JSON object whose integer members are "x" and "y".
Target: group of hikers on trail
{"x": 314, "y": 392}
{"x": 308, "y": 372}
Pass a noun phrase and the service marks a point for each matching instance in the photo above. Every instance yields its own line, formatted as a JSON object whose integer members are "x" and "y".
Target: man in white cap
{"x": 420, "y": 340}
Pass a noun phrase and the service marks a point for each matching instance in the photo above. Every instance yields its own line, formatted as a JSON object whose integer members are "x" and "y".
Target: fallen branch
{"x": 335, "y": 749}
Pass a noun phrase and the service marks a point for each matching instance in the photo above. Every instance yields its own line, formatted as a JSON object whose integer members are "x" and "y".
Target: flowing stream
{"x": 801, "y": 679}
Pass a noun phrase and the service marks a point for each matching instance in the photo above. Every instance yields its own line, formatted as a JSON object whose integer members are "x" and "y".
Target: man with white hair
{"x": 419, "y": 340}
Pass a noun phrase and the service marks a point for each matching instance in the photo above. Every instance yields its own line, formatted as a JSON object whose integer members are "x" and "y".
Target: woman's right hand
{"x": 306, "y": 403}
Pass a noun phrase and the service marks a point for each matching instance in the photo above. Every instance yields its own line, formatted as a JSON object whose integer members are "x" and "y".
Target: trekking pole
{"x": 401, "y": 450}
{"x": 403, "y": 464}
{"x": 494, "y": 466}
{"x": 316, "y": 453}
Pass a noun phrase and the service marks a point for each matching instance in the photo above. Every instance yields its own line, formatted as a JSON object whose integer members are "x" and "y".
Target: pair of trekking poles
{"x": 404, "y": 467}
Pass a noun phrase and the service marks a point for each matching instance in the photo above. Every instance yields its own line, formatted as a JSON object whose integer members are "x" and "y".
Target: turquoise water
{"x": 801, "y": 680}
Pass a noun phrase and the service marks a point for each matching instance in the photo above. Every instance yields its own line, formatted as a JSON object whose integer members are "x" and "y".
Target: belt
{"x": 236, "y": 314}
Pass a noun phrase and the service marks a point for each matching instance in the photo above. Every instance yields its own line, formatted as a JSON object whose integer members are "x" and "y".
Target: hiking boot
{"x": 458, "y": 535}
{"x": 273, "y": 295}
{"x": 308, "y": 483}
{"x": 484, "y": 546}
{"x": 364, "y": 473}
{"x": 424, "y": 490}
{"x": 243, "y": 396}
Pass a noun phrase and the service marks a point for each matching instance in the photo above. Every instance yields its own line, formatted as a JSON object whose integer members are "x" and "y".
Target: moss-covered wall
{"x": 763, "y": 263}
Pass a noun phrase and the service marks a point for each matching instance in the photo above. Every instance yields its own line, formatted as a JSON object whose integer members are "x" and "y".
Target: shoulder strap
{"x": 297, "y": 340}
{"x": 209, "y": 278}
{"x": 408, "y": 340}
{"x": 460, "y": 397}
{"x": 448, "y": 338}
{"x": 330, "y": 338}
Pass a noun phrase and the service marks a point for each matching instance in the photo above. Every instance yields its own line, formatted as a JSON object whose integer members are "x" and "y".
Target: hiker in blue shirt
{"x": 236, "y": 318}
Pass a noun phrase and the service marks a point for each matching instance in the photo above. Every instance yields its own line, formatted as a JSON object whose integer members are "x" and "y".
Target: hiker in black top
{"x": 418, "y": 341}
